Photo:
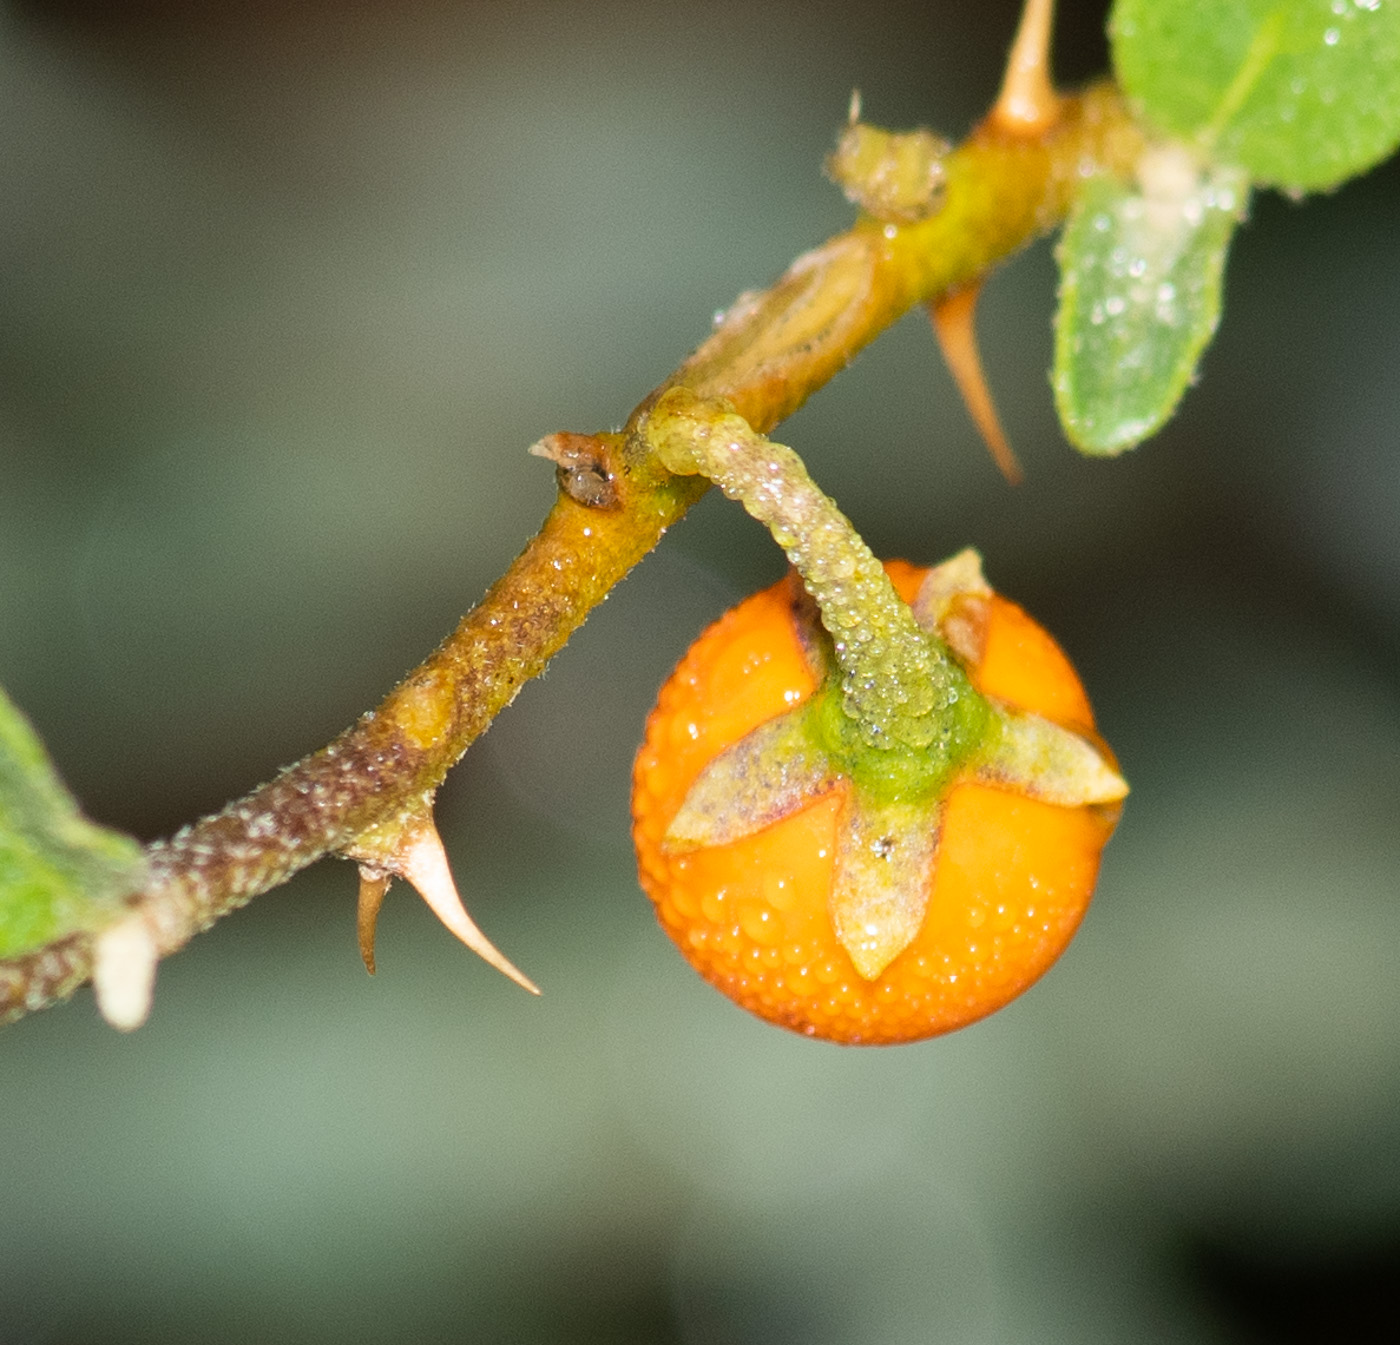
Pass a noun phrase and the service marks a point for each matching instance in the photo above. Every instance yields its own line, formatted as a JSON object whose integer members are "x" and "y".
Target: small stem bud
{"x": 124, "y": 972}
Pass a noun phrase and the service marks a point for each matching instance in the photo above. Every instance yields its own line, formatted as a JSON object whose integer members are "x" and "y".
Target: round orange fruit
{"x": 1012, "y": 875}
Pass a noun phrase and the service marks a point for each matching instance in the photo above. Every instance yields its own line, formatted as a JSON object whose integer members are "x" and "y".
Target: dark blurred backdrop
{"x": 285, "y": 291}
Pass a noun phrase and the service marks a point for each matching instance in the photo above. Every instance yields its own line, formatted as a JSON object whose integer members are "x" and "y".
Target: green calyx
{"x": 945, "y": 736}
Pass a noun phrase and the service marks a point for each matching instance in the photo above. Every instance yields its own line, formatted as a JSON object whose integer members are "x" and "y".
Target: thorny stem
{"x": 769, "y": 354}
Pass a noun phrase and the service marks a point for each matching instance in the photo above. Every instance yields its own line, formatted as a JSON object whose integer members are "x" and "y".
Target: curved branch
{"x": 769, "y": 354}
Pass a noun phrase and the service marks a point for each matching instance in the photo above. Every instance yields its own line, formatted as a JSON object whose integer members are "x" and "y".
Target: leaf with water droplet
{"x": 1301, "y": 93}
{"x": 1141, "y": 267}
{"x": 59, "y": 873}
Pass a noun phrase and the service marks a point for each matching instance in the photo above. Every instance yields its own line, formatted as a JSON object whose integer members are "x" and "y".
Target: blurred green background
{"x": 285, "y": 292}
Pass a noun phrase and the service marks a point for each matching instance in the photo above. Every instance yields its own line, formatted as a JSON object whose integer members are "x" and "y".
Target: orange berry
{"x": 1012, "y": 878}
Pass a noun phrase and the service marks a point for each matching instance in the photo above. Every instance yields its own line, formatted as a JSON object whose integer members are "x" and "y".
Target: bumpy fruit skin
{"x": 1013, "y": 876}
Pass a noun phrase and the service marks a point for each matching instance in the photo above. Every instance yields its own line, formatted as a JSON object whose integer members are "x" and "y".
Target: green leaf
{"x": 1300, "y": 93}
{"x": 1140, "y": 276}
{"x": 59, "y": 873}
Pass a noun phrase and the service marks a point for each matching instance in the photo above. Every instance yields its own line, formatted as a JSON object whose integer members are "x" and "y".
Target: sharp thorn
{"x": 423, "y": 862}
{"x": 374, "y": 883}
{"x": 955, "y": 325}
{"x": 1028, "y": 104}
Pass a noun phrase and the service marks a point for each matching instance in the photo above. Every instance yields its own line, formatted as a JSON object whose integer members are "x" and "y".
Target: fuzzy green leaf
{"x": 1300, "y": 93}
{"x": 59, "y": 873}
{"x": 1140, "y": 277}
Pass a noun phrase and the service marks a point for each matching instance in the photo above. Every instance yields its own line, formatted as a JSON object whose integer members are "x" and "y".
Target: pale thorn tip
{"x": 954, "y": 322}
{"x": 1028, "y": 103}
{"x": 853, "y": 111}
{"x": 124, "y": 972}
{"x": 423, "y": 862}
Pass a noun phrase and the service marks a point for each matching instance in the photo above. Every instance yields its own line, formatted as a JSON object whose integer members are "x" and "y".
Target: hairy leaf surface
{"x": 1300, "y": 93}
{"x": 1140, "y": 277}
{"x": 59, "y": 873}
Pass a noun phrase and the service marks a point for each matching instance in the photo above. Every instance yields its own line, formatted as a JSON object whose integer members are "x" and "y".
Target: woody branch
{"x": 1005, "y": 186}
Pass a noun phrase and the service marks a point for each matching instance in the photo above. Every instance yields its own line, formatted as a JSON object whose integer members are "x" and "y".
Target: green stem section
{"x": 897, "y": 682}
{"x": 767, "y": 357}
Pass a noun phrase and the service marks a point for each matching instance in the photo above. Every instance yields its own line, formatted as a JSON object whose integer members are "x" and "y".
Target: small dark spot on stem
{"x": 582, "y": 467}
